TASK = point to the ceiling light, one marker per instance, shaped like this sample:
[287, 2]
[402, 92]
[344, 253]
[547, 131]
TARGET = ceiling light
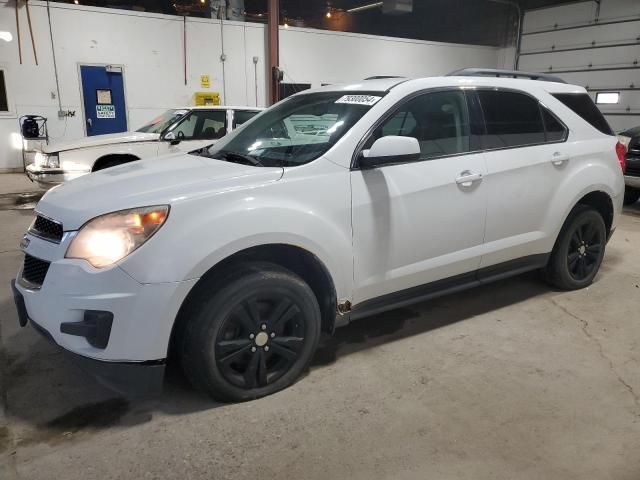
[6, 36]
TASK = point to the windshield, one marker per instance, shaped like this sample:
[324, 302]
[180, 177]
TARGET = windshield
[295, 131]
[162, 122]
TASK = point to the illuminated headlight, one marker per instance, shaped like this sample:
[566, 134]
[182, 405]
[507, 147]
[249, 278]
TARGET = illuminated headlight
[111, 237]
[47, 160]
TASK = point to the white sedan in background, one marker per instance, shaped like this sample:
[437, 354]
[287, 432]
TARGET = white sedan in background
[176, 130]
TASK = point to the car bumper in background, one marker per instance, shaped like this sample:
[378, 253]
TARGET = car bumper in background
[48, 177]
[630, 181]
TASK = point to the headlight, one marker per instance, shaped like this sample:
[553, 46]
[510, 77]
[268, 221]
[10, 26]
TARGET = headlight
[111, 237]
[47, 160]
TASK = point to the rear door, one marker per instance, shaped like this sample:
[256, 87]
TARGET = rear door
[527, 157]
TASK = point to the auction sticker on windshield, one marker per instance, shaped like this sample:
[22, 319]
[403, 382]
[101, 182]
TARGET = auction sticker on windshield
[358, 99]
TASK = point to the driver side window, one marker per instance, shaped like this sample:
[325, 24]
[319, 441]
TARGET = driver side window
[438, 120]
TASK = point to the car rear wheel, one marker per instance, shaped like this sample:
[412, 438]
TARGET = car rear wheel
[631, 195]
[252, 337]
[579, 250]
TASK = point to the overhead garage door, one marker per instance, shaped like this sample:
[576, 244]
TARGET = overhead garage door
[593, 44]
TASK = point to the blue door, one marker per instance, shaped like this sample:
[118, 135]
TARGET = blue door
[103, 93]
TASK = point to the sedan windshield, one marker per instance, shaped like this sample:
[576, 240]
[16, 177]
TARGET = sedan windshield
[164, 121]
[295, 131]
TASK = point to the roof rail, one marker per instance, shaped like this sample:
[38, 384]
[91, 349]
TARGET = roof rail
[493, 72]
[380, 77]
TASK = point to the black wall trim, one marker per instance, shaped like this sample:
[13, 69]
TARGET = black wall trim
[612, 89]
[448, 285]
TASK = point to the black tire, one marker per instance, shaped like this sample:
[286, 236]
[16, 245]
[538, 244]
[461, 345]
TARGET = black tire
[253, 336]
[631, 195]
[579, 250]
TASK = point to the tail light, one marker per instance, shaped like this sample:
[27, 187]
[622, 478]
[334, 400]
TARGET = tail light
[621, 151]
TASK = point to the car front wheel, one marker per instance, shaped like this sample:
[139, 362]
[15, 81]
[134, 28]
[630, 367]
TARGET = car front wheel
[253, 336]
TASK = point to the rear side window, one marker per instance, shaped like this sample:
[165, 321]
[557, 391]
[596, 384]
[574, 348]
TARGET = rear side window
[512, 119]
[556, 131]
[242, 116]
[582, 105]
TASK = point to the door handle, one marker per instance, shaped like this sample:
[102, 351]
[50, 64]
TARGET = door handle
[467, 178]
[559, 159]
[89, 122]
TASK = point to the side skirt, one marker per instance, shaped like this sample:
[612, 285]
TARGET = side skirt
[446, 286]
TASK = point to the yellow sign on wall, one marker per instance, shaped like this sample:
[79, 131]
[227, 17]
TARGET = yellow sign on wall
[204, 81]
[207, 98]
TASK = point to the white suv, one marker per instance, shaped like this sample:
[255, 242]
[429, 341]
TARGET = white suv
[332, 205]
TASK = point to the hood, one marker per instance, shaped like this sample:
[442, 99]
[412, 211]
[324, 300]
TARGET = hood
[156, 181]
[100, 140]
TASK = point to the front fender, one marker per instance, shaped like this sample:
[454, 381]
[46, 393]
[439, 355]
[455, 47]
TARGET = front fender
[291, 211]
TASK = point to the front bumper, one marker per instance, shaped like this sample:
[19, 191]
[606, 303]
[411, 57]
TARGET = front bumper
[128, 378]
[630, 181]
[48, 177]
[141, 315]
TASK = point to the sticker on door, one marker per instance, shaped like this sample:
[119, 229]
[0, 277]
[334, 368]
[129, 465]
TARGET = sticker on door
[105, 111]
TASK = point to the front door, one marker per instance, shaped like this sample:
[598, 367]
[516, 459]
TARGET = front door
[415, 223]
[104, 103]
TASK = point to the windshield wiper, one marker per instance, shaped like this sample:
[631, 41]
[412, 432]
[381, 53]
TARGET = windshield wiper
[235, 157]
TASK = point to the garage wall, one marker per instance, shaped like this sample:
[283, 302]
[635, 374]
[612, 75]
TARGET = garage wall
[597, 47]
[150, 49]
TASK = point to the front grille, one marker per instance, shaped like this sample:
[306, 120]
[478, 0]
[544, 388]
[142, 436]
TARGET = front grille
[47, 229]
[34, 270]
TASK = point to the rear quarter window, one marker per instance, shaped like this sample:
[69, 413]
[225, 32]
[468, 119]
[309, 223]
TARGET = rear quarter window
[582, 105]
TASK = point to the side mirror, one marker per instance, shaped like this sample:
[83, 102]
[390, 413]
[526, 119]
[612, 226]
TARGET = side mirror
[388, 150]
[171, 138]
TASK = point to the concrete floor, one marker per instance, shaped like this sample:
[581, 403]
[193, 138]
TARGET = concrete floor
[507, 381]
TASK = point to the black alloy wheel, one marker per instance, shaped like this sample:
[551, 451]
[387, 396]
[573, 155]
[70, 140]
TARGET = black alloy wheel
[585, 250]
[250, 332]
[260, 340]
[579, 249]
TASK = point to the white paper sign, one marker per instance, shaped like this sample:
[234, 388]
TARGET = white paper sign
[359, 99]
